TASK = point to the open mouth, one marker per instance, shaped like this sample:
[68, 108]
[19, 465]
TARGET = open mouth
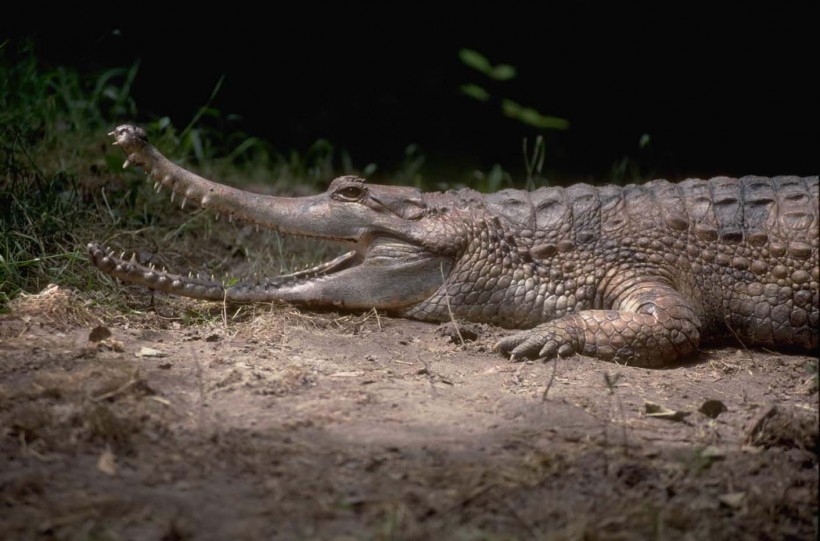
[131, 271]
[383, 270]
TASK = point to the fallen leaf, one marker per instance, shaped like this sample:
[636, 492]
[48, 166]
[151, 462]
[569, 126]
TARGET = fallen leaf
[713, 452]
[107, 463]
[149, 352]
[351, 374]
[160, 400]
[732, 499]
[662, 412]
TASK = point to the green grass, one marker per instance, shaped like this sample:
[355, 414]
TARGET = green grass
[47, 119]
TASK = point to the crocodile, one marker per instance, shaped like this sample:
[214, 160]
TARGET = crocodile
[635, 274]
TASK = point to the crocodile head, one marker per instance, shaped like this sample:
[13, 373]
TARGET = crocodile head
[393, 263]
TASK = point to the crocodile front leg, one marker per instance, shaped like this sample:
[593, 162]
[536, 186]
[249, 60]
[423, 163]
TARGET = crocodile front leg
[652, 326]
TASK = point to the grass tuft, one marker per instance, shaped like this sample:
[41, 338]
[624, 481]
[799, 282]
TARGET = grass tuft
[62, 184]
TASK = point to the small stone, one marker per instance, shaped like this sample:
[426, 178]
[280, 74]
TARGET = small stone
[759, 267]
[712, 408]
[800, 277]
[99, 334]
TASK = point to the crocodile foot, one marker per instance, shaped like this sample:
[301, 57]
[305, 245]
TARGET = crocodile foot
[543, 342]
[635, 338]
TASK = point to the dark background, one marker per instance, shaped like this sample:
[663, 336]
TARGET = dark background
[729, 92]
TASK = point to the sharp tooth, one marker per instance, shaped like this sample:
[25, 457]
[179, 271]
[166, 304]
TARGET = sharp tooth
[134, 257]
[112, 133]
[122, 255]
[216, 219]
[156, 187]
[115, 143]
[184, 200]
[173, 194]
[152, 266]
[125, 164]
[230, 218]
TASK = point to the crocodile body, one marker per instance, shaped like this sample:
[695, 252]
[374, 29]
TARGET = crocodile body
[639, 274]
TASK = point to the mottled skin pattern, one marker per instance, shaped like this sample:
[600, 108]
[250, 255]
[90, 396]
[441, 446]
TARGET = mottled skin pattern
[640, 274]
[635, 274]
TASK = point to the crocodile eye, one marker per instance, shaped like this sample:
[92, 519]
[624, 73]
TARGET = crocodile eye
[349, 193]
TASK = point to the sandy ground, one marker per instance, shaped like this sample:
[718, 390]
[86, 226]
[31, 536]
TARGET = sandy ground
[282, 424]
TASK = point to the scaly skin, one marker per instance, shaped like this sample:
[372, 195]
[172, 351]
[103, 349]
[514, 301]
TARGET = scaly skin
[634, 274]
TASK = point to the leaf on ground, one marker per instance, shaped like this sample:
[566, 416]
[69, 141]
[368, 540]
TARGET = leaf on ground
[107, 463]
[149, 352]
[732, 499]
[713, 452]
[350, 374]
[662, 412]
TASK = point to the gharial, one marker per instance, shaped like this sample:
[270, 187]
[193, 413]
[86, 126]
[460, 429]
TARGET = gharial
[638, 274]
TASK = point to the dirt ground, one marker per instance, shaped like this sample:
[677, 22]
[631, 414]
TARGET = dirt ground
[284, 424]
